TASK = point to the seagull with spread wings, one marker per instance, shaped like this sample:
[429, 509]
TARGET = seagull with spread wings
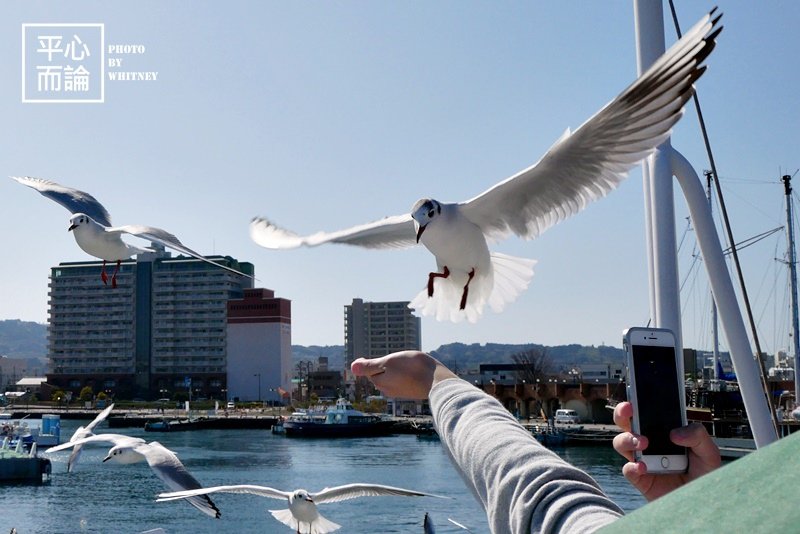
[579, 168]
[302, 514]
[163, 462]
[91, 225]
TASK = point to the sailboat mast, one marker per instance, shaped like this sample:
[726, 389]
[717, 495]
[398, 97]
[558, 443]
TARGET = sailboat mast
[787, 185]
[714, 322]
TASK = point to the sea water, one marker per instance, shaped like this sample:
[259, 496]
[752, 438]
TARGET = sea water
[120, 499]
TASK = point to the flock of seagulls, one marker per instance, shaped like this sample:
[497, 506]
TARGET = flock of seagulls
[301, 515]
[580, 167]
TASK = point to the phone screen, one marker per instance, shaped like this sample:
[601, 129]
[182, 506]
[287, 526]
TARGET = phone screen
[657, 394]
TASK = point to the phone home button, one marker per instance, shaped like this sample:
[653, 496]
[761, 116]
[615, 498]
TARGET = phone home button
[664, 462]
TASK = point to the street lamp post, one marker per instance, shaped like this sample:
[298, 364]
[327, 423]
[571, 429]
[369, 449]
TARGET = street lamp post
[259, 385]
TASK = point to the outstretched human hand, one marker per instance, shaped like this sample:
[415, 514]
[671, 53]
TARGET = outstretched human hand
[704, 455]
[409, 374]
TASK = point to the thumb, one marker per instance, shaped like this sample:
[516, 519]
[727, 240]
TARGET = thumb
[368, 367]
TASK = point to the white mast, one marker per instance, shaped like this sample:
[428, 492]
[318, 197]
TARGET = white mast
[662, 257]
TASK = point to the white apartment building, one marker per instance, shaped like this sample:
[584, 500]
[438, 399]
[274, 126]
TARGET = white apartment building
[162, 330]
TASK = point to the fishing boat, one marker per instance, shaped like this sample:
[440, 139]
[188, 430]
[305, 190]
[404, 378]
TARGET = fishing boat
[45, 432]
[21, 464]
[338, 421]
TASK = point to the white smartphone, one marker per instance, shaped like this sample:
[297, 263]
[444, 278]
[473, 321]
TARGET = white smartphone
[657, 394]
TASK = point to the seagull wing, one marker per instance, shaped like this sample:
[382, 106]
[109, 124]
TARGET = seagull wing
[72, 199]
[353, 491]
[99, 419]
[390, 232]
[166, 465]
[589, 163]
[82, 432]
[263, 491]
[114, 439]
[168, 240]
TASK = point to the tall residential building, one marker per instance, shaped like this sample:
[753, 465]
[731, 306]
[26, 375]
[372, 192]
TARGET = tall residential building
[259, 363]
[374, 329]
[162, 330]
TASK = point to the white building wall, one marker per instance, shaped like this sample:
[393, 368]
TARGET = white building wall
[258, 348]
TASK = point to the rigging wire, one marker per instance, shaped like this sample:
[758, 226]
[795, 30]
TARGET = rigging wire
[721, 201]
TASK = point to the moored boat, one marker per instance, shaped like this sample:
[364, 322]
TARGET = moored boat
[21, 464]
[175, 425]
[339, 420]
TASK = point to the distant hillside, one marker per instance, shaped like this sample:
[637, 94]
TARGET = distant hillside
[23, 350]
[28, 340]
[461, 356]
[23, 339]
[335, 354]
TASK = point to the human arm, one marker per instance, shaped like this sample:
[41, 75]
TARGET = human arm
[522, 486]
[704, 455]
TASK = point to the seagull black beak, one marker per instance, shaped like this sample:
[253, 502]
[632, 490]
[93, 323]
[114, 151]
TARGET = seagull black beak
[309, 499]
[106, 458]
[421, 229]
[73, 226]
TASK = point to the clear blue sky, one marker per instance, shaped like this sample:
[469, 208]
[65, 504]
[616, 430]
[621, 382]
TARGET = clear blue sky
[322, 115]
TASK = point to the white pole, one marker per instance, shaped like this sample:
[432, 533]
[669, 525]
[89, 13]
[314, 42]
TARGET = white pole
[659, 204]
[747, 369]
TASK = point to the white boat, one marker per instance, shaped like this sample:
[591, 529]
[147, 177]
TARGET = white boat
[339, 420]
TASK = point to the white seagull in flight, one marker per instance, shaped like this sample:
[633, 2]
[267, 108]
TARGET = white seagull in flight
[580, 167]
[163, 462]
[91, 225]
[85, 432]
[302, 514]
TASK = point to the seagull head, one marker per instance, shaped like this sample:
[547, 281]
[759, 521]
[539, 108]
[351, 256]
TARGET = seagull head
[423, 212]
[122, 454]
[79, 219]
[301, 495]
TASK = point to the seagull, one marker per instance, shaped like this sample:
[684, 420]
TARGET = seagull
[302, 514]
[429, 528]
[163, 462]
[427, 525]
[582, 166]
[85, 432]
[91, 225]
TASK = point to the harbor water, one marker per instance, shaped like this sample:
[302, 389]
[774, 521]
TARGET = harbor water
[103, 498]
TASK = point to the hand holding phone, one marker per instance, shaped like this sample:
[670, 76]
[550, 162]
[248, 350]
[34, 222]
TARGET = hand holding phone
[656, 392]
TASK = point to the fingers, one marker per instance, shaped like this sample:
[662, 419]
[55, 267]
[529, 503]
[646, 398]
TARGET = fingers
[622, 415]
[695, 437]
[626, 443]
[634, 471]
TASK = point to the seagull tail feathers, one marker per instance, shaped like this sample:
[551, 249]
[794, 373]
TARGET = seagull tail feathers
[320, 525]
[508, 278]
[512, 275]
